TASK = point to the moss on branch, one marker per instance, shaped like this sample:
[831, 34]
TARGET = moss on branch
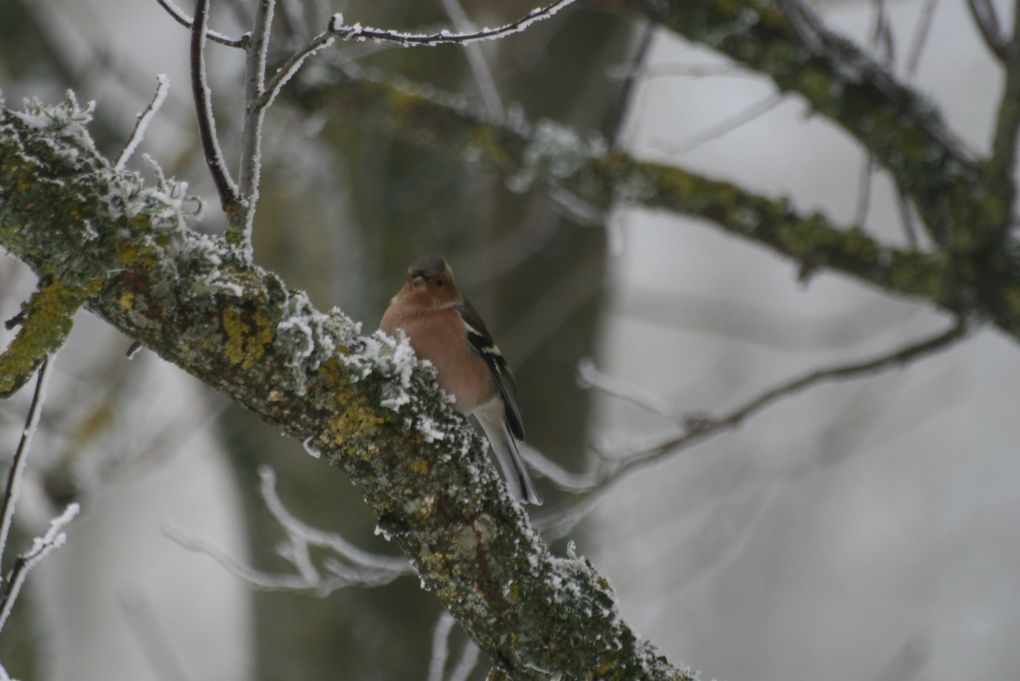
[979, 284]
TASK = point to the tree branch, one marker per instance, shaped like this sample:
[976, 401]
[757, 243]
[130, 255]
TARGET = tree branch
[1001, 170]
[698, 429]
[12, 490]
[365, 402]
[905, 134]
[987, 21]
[225, 186]
[184, 20]
[240, 218]
[551, 154]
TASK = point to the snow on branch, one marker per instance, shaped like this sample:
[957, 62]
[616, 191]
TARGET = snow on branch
[144, 118]
[360, 33]
[41, 547]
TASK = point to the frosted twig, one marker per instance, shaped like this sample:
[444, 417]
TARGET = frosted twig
[41, 547]
[987, 21]
[162, 87]
[588, 376]
[907, 219]
[152, 639]
[694, 430]
[225, 186]
[184, 20]
[440, 646]
[356, 32]
[12, 490]
[1001, 170]
[359, 33]
[728, 125]
[465, 663]
[357, 567]
[921, 34]
[329, 540]
[291, 66]
[239, 223]
[476, 61]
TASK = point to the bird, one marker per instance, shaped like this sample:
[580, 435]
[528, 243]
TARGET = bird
[443, 327]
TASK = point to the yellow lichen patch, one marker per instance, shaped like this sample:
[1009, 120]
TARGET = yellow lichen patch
[127, 301]
[420, 466]
[46, 323]
[357, 420]
[246, 342]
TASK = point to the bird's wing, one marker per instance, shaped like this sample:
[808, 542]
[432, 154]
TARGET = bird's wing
[481, 340]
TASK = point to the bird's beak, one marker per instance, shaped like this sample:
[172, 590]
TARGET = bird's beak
[418, 282]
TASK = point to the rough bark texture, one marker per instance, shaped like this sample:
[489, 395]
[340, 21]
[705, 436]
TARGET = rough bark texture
[364, 402]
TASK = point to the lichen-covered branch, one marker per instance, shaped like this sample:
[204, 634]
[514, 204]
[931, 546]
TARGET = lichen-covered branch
[903, 132]
[363, 401]
[45, 321]
[549, 153]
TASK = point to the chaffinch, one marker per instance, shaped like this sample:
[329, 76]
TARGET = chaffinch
[443, 328]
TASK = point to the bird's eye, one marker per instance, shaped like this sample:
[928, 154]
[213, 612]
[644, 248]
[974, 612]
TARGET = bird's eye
[440, 283]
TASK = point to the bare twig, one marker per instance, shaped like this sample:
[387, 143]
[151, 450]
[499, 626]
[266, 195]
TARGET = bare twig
[686, 70]
[359, 32]
[920, 38]
[1002, 164]
[336, 29]
[12, 489]
[476, 61]
[152, 639]
[162, 87]
[907, 219]
[358, 567]
[699, 429]
[987, 21]
[728, 125]
[466, 663]
[440, 646]
[251, 132]
[225, 186]
[41, 547]
[184, 20]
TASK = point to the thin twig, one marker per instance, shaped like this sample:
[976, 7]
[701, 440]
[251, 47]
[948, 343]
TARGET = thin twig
[12, 489]
[987, 21]
[41, 547]
[921, 34]
[162, 87]
[476, 61]
[466, 663]
[184, 20]
[440, 646]
[1002, 164]
[225, 186]
[152, 639]
[907, 219]
[728, 125]
[291, 66]
[358, 32]
[700, 429]
[240, 221]
[358, 568]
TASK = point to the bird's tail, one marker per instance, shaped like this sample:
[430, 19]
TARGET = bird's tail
[508, 455]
